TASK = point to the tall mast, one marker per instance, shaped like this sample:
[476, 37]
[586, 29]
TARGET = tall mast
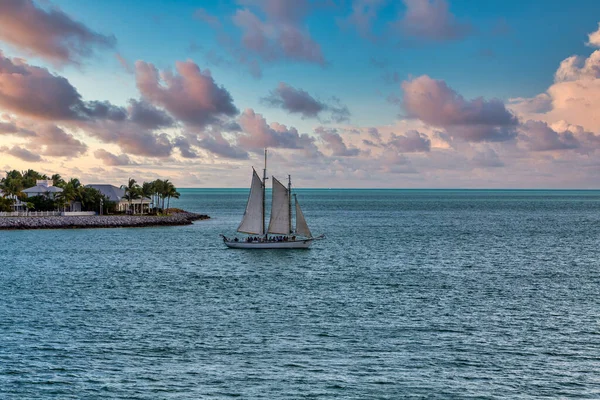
[290, 205]
[264, 187]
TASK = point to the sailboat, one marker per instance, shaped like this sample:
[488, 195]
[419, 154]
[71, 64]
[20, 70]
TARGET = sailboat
[279, 234]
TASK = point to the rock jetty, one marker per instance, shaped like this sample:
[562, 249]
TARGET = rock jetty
[99, 221]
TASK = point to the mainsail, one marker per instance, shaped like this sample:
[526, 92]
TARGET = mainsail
[280, 209]
[301, 225]
[253, 217]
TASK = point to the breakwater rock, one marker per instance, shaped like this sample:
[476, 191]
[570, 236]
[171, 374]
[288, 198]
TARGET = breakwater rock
[99, 221]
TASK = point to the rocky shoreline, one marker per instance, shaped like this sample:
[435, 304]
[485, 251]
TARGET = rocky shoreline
[99, 221]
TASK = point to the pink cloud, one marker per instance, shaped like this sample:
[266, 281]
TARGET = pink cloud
[51, 33]
[574, 96]
[594, 38]
[334, 142]
[130, 137]
[435, 103]
[215, 143]
[411, 142]
[431, 20]
[540, 137]
[58, 143]
[191, 95]
[34, 91]
[111, 159]
[257, 135]
[21, 153]
[281, 34]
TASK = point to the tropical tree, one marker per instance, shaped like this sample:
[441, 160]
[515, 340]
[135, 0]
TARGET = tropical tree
[6, 204]
[146, 190]
[132, 191]
[30, 177]
[171, 192]
[58, 181]
[69, 194]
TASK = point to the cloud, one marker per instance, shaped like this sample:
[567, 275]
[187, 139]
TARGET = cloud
[411, 142]
[257, 135]
[184, 147]
[131, 137]
[58, 143]
[21, 153]
[147, 116]
[112, 159]
[45, 138]
[334, 142]
[540, 137]
[281, 34]
[126, 66]
[192, 95]
[50, 34]
[487, 158]
[217, 144]
[11, 128]
[35, 92]
[577, 68]
[364, 13]
[298, 101]
[594, 38]
[477, 120]
[573, 97]
[431, 20]
[539, 104]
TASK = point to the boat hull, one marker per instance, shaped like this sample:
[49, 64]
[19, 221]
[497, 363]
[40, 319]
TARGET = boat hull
[296, 244]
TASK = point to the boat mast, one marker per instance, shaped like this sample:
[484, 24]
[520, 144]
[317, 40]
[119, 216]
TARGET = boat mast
[290, 205]
[264, 186]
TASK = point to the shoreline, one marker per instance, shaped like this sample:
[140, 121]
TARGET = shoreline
[99, 221]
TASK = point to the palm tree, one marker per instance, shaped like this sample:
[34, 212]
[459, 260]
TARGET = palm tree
[58, 181]
[171, 192]
[146, 190]
[69, 193]
[132, 191]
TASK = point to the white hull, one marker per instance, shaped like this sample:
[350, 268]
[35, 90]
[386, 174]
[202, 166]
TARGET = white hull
[296, 244]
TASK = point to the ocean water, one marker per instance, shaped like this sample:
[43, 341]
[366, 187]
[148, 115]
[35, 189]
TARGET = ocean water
[414, 294]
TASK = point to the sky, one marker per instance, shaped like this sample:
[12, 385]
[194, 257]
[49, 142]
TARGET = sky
[343, 93]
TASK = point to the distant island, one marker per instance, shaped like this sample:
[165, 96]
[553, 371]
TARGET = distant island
[30, 200]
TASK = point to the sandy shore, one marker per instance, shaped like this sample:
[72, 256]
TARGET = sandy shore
[97, 221]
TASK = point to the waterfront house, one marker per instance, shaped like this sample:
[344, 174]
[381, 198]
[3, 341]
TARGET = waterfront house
[44, 188]
[17, 205]
[117, 195]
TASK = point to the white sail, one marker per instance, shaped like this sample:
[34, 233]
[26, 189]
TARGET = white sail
[280, 209]
[253, 217]
[301, 225]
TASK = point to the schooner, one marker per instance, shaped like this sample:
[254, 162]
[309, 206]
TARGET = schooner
[279, 234]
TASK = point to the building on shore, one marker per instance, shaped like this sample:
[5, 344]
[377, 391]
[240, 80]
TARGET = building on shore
[117, 195]
[43, 188]
[17, 205]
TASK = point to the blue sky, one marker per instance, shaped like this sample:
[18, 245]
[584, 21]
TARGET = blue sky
[508, 50]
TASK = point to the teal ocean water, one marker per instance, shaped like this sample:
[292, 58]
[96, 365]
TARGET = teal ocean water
[414, 294]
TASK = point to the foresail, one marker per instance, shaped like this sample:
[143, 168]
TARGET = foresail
[280, 209]
[301, 225]
[253, 216]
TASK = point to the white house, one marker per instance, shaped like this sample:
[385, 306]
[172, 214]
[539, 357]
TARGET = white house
[117, 195]
[17, 204]
[43, 188]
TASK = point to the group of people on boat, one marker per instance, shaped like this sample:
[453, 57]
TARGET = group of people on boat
[261, 239]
